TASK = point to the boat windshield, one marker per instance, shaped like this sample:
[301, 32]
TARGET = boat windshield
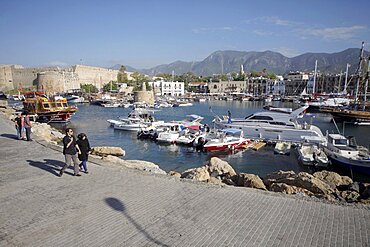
[342, 142]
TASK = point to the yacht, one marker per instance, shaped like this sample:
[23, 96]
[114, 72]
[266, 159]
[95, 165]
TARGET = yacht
[274, 126]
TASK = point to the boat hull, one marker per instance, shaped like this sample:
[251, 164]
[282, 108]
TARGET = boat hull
[225, 146]
[360, 166]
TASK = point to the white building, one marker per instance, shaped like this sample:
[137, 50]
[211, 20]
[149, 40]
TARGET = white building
[276, 87]
[172, 88]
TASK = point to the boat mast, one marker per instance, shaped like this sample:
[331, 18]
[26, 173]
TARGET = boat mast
[366, 82]
[314, 79]
[346, 80]
[340, 79]
[359, 70]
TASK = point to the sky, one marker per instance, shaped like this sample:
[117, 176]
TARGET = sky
[144, 34]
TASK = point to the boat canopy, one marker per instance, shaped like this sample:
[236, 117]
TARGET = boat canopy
[194, 116]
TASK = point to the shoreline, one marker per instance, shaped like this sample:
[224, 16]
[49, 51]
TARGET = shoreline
[222, 174]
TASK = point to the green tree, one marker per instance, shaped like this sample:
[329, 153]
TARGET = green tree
[88, 88]
[166, 77]
[122, 75]
[112, 85]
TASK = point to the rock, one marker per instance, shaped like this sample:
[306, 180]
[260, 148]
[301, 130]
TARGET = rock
[364, 201]
[199, 174]
[219, 168]
[365, 194]
[251, 180]
[213, 180]
[135, 164]
[349, 196]
[333, 178]
[276, 176]
[105, 151]
[302, 180]
[174, 174]
[288, 189]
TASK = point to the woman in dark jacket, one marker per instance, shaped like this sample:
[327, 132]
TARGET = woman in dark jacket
[84, 146]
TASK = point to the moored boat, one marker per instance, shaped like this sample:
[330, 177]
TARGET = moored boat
[341, 152]
[282, 148]
[231, 140]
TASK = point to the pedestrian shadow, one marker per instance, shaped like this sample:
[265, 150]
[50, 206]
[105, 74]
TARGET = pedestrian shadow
[10, 136]
[52, 166]
[120, 207]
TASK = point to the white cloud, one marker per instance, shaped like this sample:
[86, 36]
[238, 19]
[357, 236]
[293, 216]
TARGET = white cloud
[262, 33]
[333, 33]
[58, 63]
[211, 29]
[272, 20]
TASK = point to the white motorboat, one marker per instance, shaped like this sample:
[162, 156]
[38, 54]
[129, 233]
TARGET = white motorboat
[342, 152]
[169, 136]
[231, 140]
[72, 98]
[278, 109]
[274, 126]
[113, 122]
[310, 154]
[282, 147]
[130, 125]
[110, 105]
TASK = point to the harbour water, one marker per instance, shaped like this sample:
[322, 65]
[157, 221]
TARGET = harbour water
[91, 120]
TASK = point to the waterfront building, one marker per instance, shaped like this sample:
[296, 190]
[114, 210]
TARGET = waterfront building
[257, 85]
[173, 88]
[276, 87]
[227, 87]
[198, 87]
[295, 82]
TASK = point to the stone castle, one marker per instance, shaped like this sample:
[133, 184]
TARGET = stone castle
[54, 79]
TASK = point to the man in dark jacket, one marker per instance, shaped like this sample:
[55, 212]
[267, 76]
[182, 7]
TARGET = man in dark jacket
[70, 149]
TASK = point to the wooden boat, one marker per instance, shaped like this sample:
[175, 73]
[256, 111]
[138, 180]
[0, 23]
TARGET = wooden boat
[48, 110]
[282, 147]
[347, 114]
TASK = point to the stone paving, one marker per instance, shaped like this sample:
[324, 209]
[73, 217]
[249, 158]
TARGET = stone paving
[122, 207]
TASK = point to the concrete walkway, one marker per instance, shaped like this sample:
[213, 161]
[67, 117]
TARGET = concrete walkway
[122, 207]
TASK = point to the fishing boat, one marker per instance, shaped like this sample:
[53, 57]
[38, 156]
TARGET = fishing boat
[312, 155]
[344, 152]
[170, 135]
[49, 110]
[274, 126]
[231, 140]
[282, 148]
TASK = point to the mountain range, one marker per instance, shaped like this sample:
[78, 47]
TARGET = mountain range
[222, 62]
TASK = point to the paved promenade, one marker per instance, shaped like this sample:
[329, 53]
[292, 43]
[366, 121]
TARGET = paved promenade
[122, 207]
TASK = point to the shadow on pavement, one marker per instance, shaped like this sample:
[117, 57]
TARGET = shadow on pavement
[10, 136]
[118, 206]
[52, 166]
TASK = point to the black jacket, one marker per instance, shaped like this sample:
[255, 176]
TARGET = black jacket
[84, 146]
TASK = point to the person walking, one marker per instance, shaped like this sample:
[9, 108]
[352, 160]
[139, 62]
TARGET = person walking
[70, 149]
[84, 145]
[18, 126]
[27, 126]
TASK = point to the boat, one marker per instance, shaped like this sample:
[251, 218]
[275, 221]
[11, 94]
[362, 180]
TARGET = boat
[136, 120]
[278, 109]
[312, 155]
[274, 126]
[231, 140]
[282, 148]
[170, 135]
[49, 110]
[110, 105]
[113, 122]
[130, 125]
[344, 152]
[72, 98]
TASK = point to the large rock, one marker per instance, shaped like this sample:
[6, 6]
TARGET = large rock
[199, 174]
[174, 174]
[46, 132]
[349, 196]
[288, 189]
[302, 180]
[219, 168]
[105, 151]
[251, 180]
[134, 164]
[333, 178]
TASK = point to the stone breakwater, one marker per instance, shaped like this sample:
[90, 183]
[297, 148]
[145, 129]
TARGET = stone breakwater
[324, 184]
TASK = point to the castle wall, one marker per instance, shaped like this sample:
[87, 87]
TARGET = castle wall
[95, 75]
[144, 96]
[6, 78]
[57, 81]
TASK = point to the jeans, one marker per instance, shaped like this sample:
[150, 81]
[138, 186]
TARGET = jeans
[19, 132]
[28, 133]
[83, 164]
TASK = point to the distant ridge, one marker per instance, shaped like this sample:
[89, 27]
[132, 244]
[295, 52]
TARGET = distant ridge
[229, 61]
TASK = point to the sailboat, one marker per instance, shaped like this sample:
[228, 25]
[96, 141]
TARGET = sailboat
[358, 113]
